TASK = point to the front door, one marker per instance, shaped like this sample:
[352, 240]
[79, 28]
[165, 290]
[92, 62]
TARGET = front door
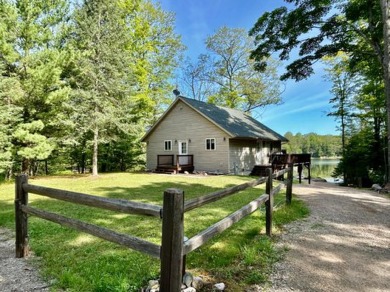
[183, 147]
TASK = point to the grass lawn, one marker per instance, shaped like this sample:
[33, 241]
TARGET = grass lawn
[240, 256]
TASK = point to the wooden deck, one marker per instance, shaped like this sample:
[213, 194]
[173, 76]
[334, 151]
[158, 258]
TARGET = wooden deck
[281, 161]
[168, 163]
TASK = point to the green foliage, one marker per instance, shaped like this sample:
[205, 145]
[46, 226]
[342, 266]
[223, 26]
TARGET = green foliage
[34, 145]
[323, 28]
[239, 256]
[295, 211]
[96, 74]
[354, 27]
[345, 84]
[317, 145]
[100, 39]
[155, 51]
[30, 64]
[10, 117]
[360, 163]
[226, 75]
[359, 105]
[124, 154]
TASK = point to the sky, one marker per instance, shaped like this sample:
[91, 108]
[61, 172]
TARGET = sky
[305, 103]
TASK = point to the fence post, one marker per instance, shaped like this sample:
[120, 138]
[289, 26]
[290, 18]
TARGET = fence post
[289, 183]
[183, 271]
[21, 227]
[269, 204]
[172, 241]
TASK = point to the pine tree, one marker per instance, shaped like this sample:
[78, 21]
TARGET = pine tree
[102, 86]
[31, 62]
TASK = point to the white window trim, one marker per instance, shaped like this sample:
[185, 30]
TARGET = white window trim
[165, 143]
[215, 144]
[180, 148]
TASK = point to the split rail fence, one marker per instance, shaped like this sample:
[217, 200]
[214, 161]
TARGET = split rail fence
[173, 249]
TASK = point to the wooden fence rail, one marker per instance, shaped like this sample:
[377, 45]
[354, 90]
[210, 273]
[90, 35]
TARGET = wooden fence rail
[104, 233]
[201, 238]
[119, 205]
[198, 202]
[173, 249]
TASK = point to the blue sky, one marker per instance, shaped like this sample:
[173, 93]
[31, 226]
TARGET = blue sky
[305, 103]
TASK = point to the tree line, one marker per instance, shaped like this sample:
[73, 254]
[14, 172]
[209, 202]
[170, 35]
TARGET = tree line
[319, 146]
[81, 81]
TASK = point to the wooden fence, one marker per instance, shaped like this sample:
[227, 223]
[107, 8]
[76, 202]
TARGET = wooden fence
[173, 249]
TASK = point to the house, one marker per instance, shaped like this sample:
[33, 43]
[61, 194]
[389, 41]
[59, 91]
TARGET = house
[195, 135]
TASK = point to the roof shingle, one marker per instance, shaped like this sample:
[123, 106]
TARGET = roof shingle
[235, 122]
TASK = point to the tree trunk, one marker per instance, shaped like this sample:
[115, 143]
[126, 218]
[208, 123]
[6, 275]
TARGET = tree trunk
[25, 166]
[343, 127]
[95, 152]
[377, 152]
[386, 73]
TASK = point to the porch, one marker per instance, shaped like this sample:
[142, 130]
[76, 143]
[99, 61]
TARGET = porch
[175, 163]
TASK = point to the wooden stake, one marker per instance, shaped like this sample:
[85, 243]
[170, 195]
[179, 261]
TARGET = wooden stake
[290, 177]
[21, 222]
[269, 204]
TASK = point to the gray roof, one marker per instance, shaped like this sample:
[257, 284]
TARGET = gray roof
[235, 122]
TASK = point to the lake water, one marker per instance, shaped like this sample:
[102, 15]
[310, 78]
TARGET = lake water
[322, 168]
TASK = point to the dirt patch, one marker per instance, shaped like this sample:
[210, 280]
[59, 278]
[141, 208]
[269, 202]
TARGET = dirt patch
[344, 245]
[17, 274]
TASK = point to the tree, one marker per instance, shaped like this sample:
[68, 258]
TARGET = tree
[384, 59]
[10, 117]
[195, 77]
[371, 112]
[354, 164]
[227, 73]
[155, 51]
[31, 63]
[323, 28]
[126, 54]
[101, 83]
[317, 145]
[344, 87]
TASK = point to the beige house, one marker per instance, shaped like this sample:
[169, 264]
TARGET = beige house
[193, 135]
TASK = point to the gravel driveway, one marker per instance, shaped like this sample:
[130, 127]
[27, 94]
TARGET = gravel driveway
[344, 245]
[17, 274]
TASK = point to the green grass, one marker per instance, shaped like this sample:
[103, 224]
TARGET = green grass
[240, 256]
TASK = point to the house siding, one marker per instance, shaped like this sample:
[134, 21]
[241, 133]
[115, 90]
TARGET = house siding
[183, 123]
[244, 155]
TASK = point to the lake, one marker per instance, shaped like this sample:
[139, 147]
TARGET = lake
[322, 168]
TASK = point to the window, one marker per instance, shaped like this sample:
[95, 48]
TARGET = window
[210, 144]
[168, 145]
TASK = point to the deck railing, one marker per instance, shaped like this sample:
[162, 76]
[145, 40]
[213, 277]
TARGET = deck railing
[168, 162]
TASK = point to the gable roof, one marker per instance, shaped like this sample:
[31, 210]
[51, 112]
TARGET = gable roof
[234, 122]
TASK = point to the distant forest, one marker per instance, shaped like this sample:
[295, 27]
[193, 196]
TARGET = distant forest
[317, 145]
